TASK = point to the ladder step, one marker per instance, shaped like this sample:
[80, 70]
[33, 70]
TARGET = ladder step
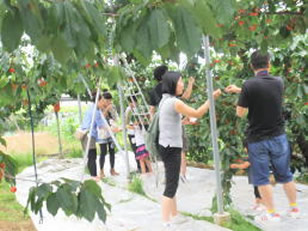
[134, 94]
[141, 114]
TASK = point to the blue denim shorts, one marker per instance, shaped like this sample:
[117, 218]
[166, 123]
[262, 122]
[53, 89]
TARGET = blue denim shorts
[275, 152]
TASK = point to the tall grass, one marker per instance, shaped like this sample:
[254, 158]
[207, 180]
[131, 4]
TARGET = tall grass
[25, 160]
[237, 222]
[75, 153]
[136, 186]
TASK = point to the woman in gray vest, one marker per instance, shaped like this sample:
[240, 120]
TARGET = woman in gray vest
[170, 139]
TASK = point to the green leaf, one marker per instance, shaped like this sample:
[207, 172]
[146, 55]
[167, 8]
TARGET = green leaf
[93, 187]
[60, 50]
[10, 169]
[31, 19]
[74, 184]
[127, 37]
[206, 19]
[2, 141]
[31, 199]
[11, 30]
[88, 203]
[44, 42]
[66, 199]
[101, 212]
[188, 34]
[224, 9]
[158, 28]
[70, 26]
[55, 17]
[52, 204]
[43, 191]
[97, 19]
[144, 45]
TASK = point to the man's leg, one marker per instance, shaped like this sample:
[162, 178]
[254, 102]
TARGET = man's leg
[259, 157]
[290, 191]
[280, 154]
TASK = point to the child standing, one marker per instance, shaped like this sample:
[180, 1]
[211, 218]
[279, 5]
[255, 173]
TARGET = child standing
[141, 153]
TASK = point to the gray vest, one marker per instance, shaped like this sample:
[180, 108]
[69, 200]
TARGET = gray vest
[170, 125]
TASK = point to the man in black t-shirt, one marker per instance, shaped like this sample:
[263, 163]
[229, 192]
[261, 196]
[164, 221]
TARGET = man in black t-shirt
[261, 96]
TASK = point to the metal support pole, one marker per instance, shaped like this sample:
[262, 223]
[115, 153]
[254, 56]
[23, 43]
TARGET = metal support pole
[124, 128]
[79, 109]
[33, 149]
[213, 124]
[59, 135]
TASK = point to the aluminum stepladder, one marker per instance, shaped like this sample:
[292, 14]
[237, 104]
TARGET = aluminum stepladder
[141, 111]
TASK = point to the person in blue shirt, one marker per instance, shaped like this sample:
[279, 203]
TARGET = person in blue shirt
[85, 126]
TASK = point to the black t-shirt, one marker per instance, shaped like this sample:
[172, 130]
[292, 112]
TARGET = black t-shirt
[156, 95]
[263, 95]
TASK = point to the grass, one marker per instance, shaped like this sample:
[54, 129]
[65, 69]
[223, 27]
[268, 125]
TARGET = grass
[136, 186]
[10, 209]
[74, 153]
[237, 223]
[25, 160]
[109, 181]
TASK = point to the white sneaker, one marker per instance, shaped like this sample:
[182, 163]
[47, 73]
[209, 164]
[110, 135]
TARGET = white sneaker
[258, 208]
[294, 213]
[266, 217]
[178, 219]
[167, 226]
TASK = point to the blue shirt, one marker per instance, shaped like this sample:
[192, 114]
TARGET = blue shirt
[98, 121]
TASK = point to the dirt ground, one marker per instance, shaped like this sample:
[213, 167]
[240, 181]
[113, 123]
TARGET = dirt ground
[20, 226]
[21, 143]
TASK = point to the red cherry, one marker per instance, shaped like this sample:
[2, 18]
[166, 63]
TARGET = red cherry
[13, 189]
[306, 104]
[289, 28]
[12, 70]
[96, 64]
[253, 14]
[241, 23]
[253, 27]
[241, 11]
[41, 82]
[56, 107]
[268, 20]
[232, 45]
[88, 65]
[216, 61]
